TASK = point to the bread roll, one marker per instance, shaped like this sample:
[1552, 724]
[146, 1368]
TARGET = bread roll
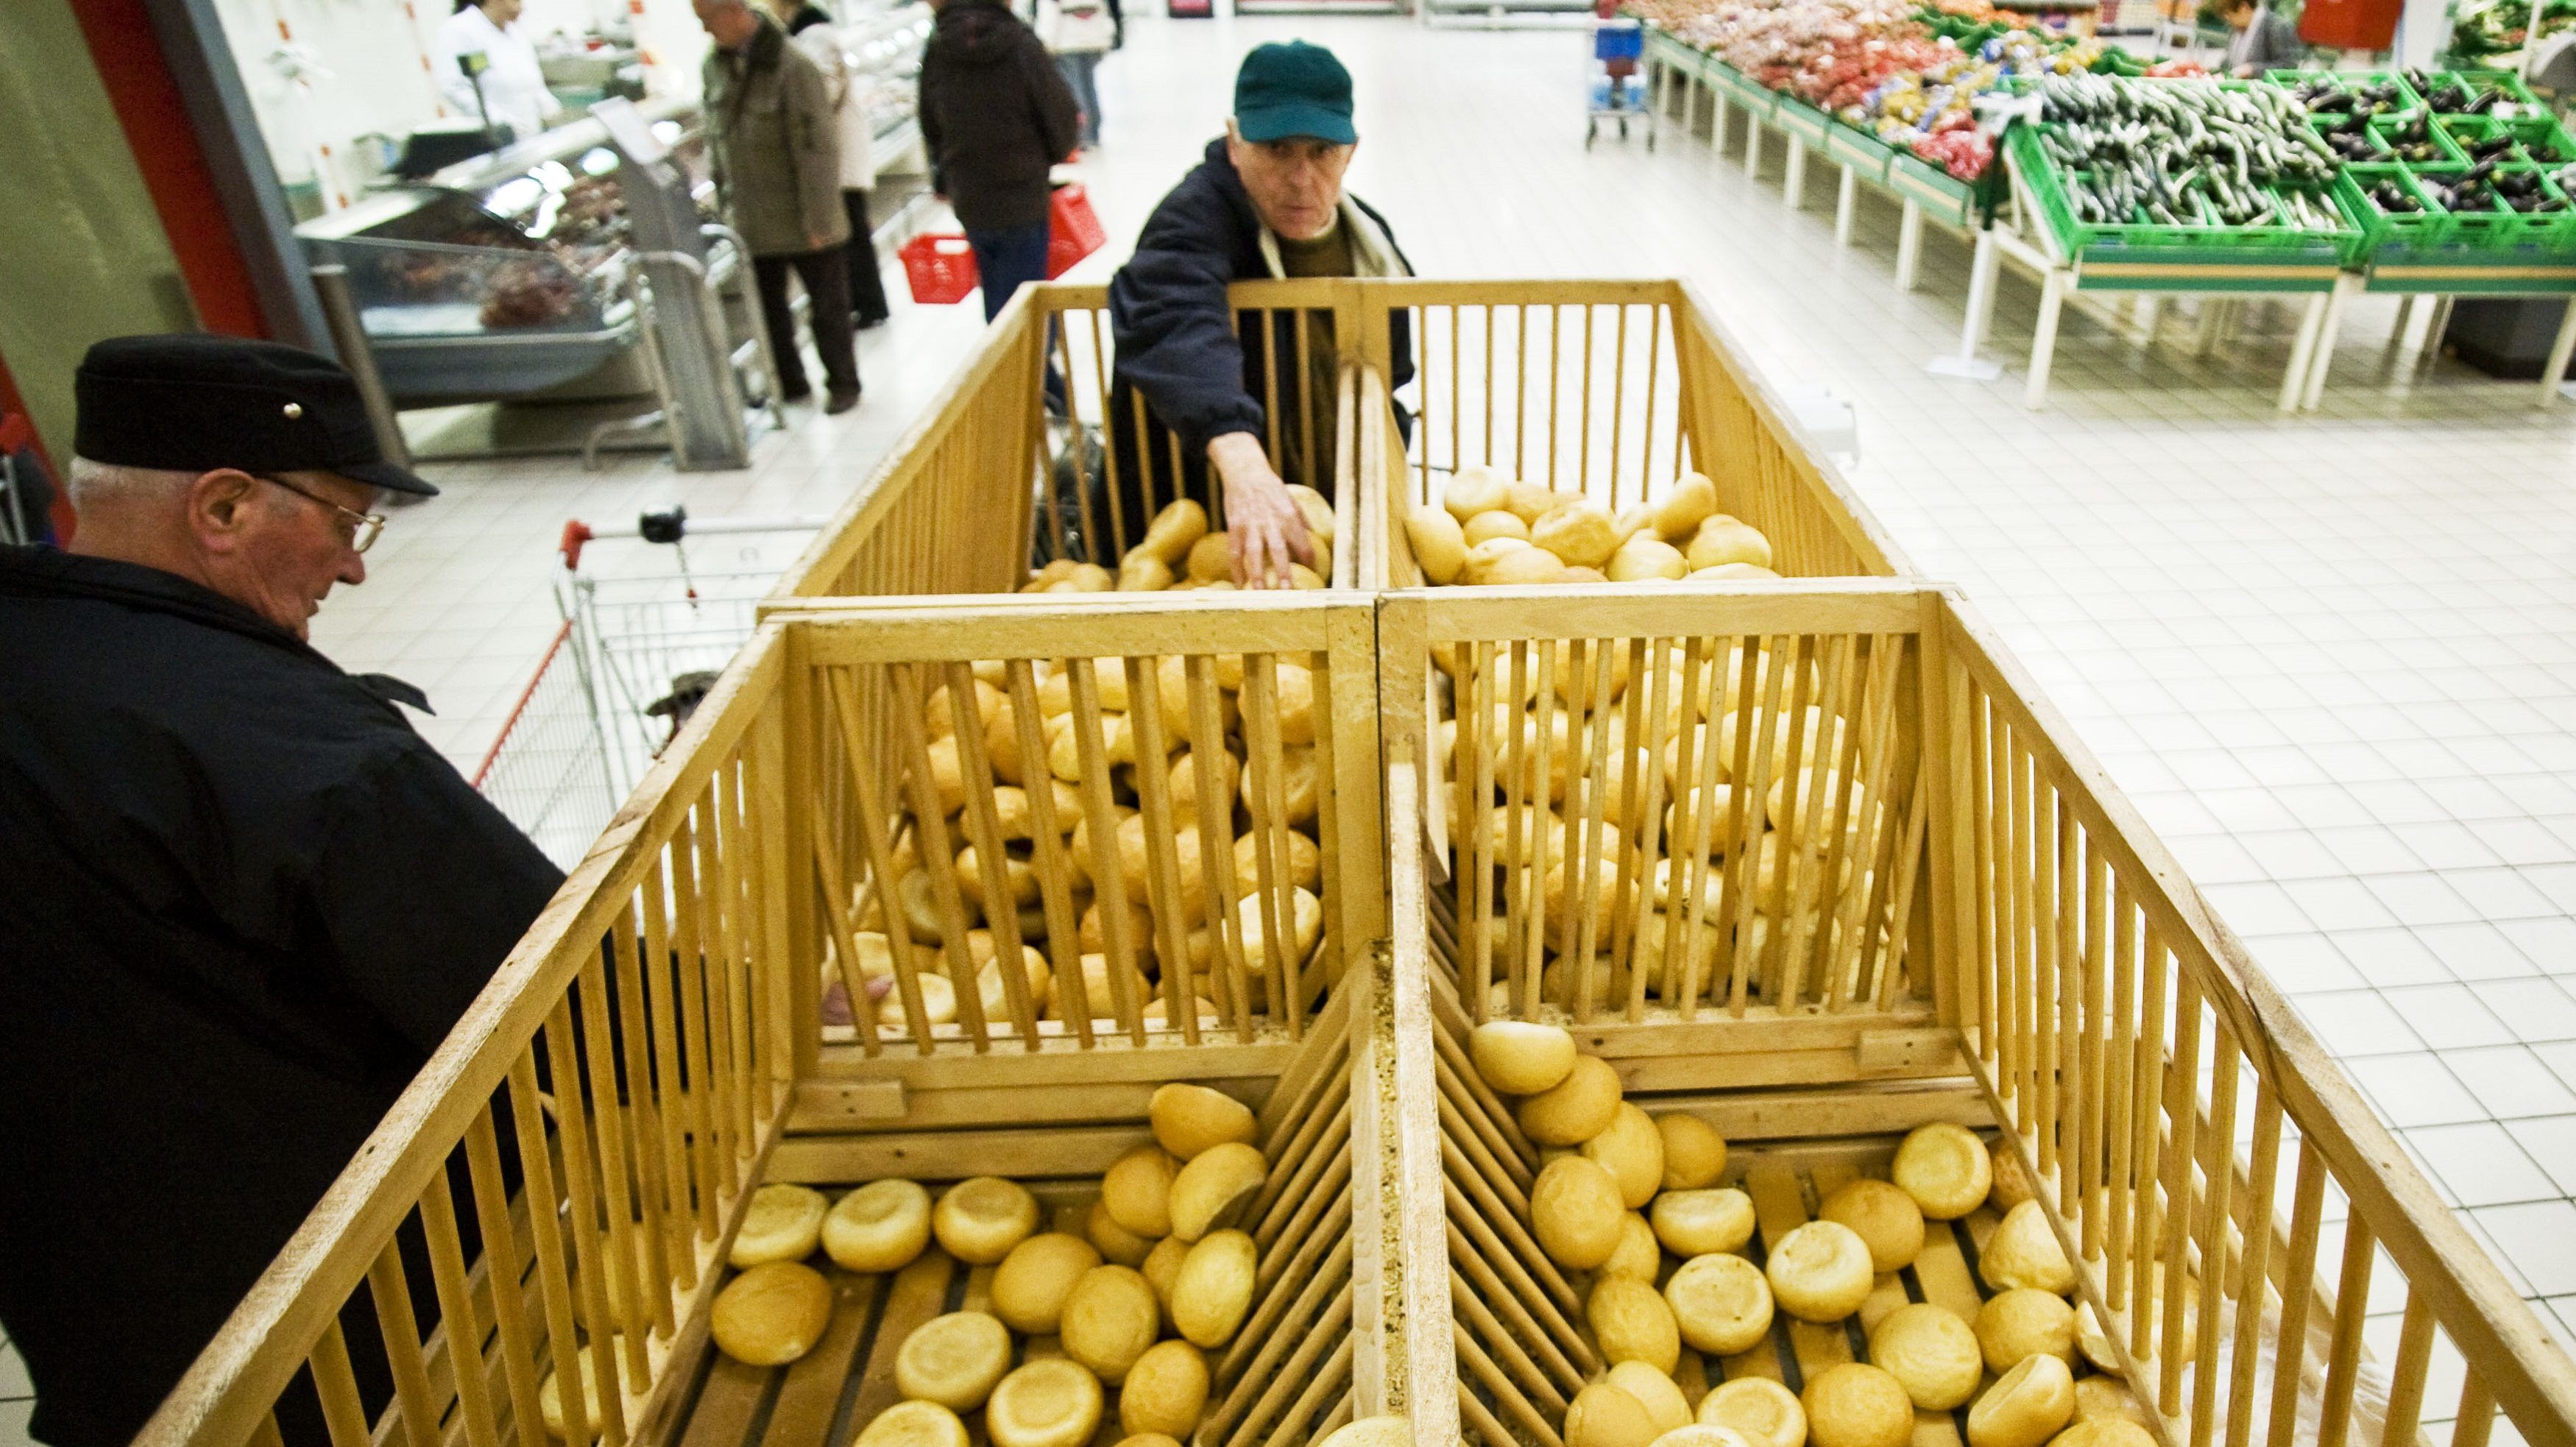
[1932, 1352]
[1640, 560]
[1109, 1319]
[1166, 1391]
[982, 1218]
[1945, 1169]
[1857, 1405]
[1137, 1190]
[1030, 1285]
[1439, 543]
[913, 1424]
[1520, 565]
[1654, 1391]
[1762, 1411]
[1369, 1432]
[1721, 540]
[1575, 1109]
[1188, 1119]
[1638, 1256]
[1484, 527]
[2024, 1251]
[1696, 1223]
[1684, 506]
[1148, 1439]
[772, 1314]
[881, 1226]
[1304, 916]
[1162, 1269]
[2103, 1432]
[1885, 1218]
[1700, 1435]
[1519, 1057]
[1632, 1322]
[1529, 501]
[1820, 1272]
[1694, 1153]
[2102, 1398]
[1601, 1415]
[2029, 1405]
[1293, 855]
[782, 1224]
[1575, 1211]
[953, 1360]
[2094, 1343]
[1051, 1402]
[1721, 1303]
[1581, 533]
[550, 1402]
[2012, 1182]
[1215, 1188]
[1632, 1151]
[1214, 1288]
[1116, 1243]
[1473, 489]
[2022, 1323]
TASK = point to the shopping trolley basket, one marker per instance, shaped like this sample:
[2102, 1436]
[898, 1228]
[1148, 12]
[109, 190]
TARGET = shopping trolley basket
[642, 639]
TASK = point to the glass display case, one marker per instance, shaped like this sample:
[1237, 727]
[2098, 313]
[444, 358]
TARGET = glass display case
[503, 277]
[883, 45]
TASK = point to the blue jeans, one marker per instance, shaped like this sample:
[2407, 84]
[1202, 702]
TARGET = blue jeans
[1006, 258]
[1077, 66]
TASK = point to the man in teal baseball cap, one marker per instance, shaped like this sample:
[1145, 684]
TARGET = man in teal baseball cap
[1266, 202]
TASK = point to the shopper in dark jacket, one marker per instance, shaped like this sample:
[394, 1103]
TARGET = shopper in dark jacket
[1265, 202]
[995, 116]
[246, 899]
[775, 146]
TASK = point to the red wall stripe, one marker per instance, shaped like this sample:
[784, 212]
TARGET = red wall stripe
[129, 60]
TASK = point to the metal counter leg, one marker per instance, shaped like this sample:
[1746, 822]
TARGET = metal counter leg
[2559, 351]
[1793, 176]
[1752, 145]
[2043, 339]
[2294, 382]
[1846, 201]
[2321, 359]
[1909, 245]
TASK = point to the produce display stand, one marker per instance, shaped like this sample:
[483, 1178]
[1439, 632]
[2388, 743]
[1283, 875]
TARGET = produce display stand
[2052, 978]
[1612, 388]
[2040, 234]
[1922, 191]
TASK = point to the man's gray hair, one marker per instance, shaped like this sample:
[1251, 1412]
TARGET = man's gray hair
[93, 483]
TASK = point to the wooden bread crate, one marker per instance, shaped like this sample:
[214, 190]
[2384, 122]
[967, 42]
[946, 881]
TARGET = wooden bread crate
[1613, 389]
[2183, 1131]
[645, 1103]
[970, 472]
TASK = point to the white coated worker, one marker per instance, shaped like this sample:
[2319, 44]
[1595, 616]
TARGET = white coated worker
[514, 87]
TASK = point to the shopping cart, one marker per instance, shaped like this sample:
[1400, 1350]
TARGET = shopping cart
[1618, 79]
[639, 645]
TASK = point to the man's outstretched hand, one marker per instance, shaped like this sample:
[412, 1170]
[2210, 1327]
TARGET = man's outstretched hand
[1268, 531]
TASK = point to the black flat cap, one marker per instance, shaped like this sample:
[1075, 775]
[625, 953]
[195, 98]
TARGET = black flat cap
[188, 402]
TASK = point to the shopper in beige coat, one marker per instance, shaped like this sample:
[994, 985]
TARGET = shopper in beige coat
[775, 146]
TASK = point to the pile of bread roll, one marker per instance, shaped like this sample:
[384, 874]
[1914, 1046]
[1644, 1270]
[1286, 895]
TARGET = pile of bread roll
[1491, 529]
[1296, 863]
[1632, 1205]
[1132, 1292]
[1794, 823]
[1179, 554]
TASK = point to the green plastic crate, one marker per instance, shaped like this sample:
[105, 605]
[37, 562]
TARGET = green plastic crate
[2505, 230]
[2544, 140]
[2407, 99]
[2383, 128]
[2089, 241]
[2477, 81]
[2468, 132]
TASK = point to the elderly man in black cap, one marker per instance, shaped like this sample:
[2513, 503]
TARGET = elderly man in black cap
[247, 900]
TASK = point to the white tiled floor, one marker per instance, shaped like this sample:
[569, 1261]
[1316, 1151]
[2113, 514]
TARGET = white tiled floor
[2332, 657]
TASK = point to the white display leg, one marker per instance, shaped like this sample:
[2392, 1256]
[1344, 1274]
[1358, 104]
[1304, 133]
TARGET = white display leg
[1981, 311]
[2405, 317]
[1793, 176]
[1846, 201]
[1752, 145]
[1719, 118]
[2294, 382]
[2559, 351]
[2043, 338]
[1909, 244]
[2321, 359]
[2433, 329]
[2213, 320]
[2151, 305]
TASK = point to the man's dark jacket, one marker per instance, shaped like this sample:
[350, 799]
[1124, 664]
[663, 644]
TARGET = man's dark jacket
[1181, 346]
[246, 901]
[995, 115]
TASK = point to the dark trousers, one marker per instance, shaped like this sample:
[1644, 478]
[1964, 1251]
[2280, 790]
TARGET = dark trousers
[826, 275]
[867, 280]
[1005, 258]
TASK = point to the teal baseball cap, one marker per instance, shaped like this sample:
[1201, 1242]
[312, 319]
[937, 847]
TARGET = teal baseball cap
[1293, 89]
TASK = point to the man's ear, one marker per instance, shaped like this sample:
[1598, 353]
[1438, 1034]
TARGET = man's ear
[218, 504]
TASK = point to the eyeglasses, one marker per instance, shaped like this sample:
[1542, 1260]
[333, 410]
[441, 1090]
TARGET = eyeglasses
[363, 526]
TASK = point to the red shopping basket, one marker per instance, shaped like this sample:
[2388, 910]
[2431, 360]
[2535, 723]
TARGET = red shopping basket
[1073, 228]
[941, 269]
